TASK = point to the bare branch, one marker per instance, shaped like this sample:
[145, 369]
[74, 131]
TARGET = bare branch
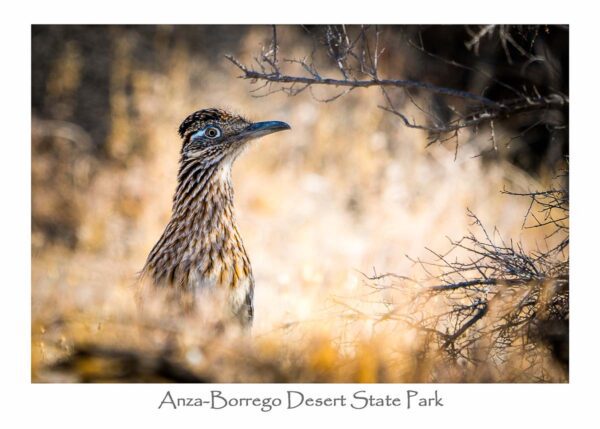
[355, 55]
[499, 296]
[397, 83]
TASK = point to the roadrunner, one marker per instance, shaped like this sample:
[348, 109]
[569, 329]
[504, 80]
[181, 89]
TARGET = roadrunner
[200, 255]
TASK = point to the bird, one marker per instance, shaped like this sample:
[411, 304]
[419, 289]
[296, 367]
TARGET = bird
[200, 255]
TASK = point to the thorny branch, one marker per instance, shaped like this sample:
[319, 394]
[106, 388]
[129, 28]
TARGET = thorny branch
[275, 75]
[356, 56]
[498, 296]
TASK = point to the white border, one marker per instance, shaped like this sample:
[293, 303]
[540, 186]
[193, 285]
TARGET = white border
[135, 405]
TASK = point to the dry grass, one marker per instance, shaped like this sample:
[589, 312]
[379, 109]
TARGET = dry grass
[348, 191]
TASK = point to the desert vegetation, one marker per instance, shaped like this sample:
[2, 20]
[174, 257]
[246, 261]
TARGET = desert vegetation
[413, 226]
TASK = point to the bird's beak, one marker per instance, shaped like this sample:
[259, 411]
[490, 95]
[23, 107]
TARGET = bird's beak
[260, 129]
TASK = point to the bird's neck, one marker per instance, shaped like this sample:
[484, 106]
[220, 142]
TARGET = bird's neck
[202, 188]
[202, 223]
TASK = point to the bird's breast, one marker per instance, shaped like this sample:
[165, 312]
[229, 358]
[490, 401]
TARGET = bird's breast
[222, 284]
[219, 263]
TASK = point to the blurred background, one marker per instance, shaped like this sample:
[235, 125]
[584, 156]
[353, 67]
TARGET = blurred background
[349, 191]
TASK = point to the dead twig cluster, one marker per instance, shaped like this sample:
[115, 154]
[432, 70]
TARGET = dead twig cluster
[498, 298]
[355, 54]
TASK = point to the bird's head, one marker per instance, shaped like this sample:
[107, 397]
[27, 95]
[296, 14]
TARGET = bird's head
[215, 135]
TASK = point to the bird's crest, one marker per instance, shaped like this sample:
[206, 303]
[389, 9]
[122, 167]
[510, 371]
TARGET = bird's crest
[198, 119]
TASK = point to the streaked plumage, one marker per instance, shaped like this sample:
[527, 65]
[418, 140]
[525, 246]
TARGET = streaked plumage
[200, 253]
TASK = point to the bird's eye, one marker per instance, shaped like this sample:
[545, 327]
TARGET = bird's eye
[212, 132]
